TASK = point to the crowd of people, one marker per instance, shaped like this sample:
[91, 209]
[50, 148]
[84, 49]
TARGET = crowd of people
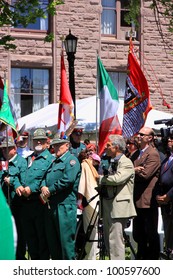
[47, 184]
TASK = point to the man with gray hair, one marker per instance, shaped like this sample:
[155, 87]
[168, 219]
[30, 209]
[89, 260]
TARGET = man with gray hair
[117, 195]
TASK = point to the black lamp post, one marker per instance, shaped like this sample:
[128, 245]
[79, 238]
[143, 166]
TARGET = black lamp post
[70, 47]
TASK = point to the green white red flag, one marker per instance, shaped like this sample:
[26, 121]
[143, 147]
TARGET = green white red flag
[109, 103]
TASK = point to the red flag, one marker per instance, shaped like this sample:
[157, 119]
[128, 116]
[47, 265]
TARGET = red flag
[7, 114]
[137, 98]
[1, 91]
[66, 116]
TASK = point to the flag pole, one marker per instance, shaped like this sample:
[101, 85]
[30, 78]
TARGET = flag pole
[97, 97]
[7, 159]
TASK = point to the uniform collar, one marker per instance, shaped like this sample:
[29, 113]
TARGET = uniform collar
[12, 159]
[43, 154]
[63, 157]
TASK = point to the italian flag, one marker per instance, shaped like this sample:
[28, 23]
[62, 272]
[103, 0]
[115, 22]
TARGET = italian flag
[109, 123]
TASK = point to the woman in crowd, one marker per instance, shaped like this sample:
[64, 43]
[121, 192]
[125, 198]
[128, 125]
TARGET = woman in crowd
[86, 191]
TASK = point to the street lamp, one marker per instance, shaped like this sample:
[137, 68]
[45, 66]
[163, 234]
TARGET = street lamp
[70, 47]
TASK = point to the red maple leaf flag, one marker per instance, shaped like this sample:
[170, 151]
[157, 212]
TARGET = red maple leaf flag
[66, 106]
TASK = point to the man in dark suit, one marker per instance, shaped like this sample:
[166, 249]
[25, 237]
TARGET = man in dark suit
[147, 168]
[166, 197]
[132, 146]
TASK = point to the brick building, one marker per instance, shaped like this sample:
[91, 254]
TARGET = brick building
[33, 69]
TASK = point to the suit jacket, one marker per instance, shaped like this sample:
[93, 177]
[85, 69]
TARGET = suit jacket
[166, 177]
[145, 184]
[134, 155]
[122, 205]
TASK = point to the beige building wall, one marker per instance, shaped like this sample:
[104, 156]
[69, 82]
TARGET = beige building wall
[83, 18]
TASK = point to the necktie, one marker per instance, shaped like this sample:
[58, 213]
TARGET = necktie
[140, 155]
[170, 159]
[168, 162]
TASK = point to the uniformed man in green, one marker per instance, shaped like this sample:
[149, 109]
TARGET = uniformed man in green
[33, 209]
[76, 146]
[61, 188]
[12, 181]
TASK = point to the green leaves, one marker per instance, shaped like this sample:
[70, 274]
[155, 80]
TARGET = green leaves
[161, 8]
[6, 42]
[49, 38]
[24, 12]
[134, 13]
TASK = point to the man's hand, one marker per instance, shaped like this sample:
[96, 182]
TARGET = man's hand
[7, 180]
[20, 190]
[162, 199]
[45, 191]
[27, 191]
[139, 170]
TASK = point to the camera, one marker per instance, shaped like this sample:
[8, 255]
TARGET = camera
[166, 132]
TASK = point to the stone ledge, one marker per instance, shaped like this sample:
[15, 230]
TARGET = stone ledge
[31, 60]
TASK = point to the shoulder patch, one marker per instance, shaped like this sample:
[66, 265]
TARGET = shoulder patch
[72, 162]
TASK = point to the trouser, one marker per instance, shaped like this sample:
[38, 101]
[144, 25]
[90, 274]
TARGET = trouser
[167, 217]
[34, 229]
[145, 233]
[113, 233]
[61, 223]
[91, 247]
[21, 242]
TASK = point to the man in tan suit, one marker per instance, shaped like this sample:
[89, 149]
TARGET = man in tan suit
[147, 168]
[117, 194]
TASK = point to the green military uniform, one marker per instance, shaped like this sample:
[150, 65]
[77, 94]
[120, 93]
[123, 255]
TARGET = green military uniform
[16, 172]
[62, 179]
[33, 209]
[76, 149]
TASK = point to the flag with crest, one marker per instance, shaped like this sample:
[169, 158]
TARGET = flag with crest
[137, 98]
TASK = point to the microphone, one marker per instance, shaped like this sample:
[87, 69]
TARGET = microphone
[164, 121]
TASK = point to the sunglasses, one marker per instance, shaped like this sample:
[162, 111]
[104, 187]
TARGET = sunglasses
[142, 134]
[130, 143]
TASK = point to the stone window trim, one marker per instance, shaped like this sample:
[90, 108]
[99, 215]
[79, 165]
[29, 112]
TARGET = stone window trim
[120, 30]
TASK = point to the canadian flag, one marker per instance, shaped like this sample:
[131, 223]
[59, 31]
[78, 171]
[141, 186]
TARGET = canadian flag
[66, 106]
[3, 165]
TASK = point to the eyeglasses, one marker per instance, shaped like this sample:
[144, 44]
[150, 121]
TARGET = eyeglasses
[142, 134]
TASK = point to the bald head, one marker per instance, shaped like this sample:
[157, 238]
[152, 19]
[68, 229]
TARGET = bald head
[145, 136]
